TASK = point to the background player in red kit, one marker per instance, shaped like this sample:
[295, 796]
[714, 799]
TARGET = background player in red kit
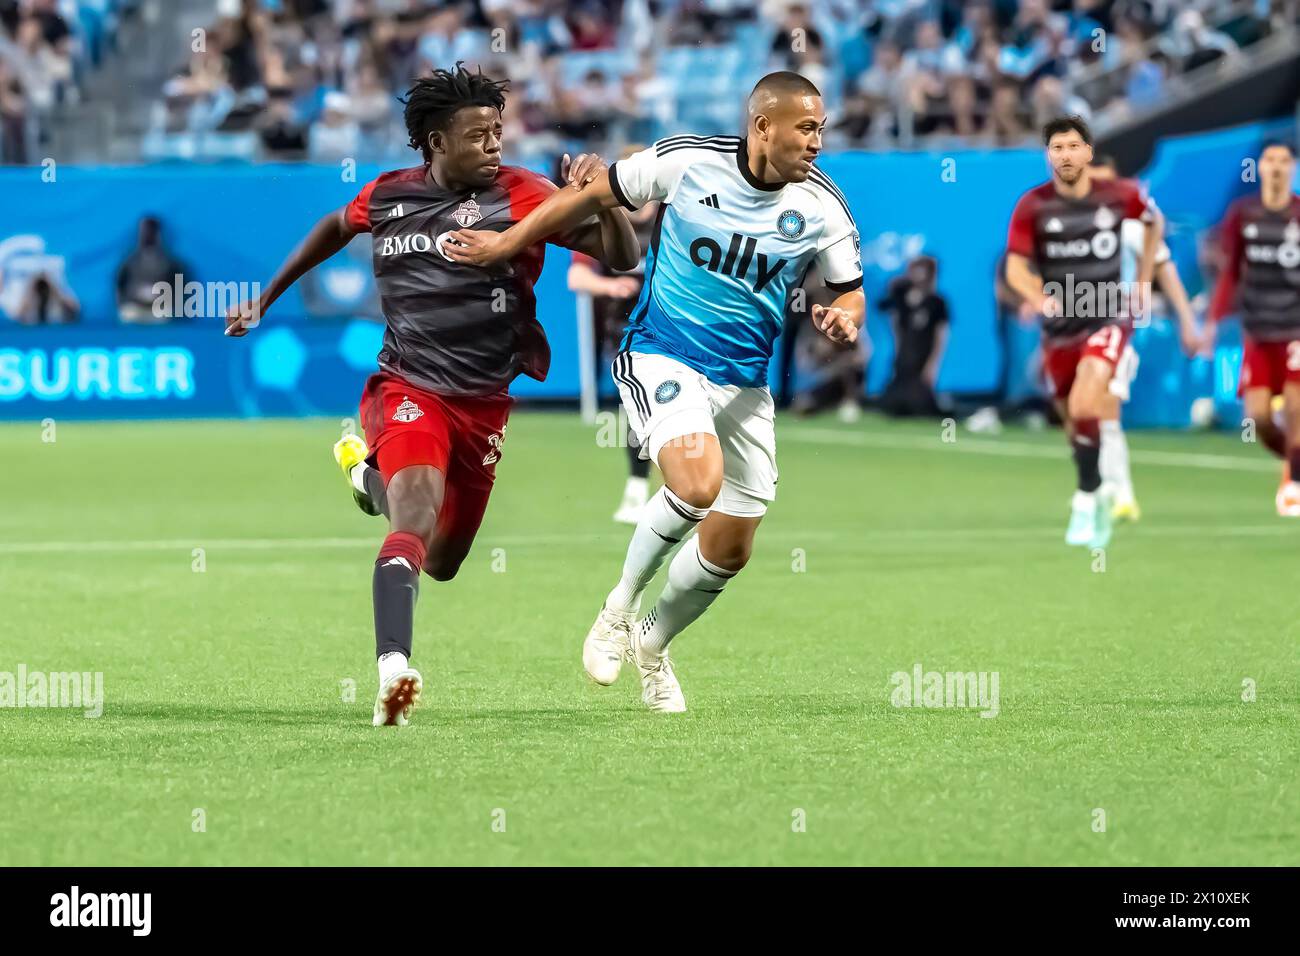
[1261, 278]
[457, 335]
[1063, 257]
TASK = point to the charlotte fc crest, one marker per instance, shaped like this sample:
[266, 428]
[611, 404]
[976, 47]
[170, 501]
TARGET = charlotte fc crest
[468, 214]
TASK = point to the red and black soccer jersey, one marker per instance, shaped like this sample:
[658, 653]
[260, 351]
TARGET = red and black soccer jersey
[1261, 248]
[1075, 244]
[455, 329]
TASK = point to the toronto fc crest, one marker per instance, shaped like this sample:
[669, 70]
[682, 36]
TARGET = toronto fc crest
[408, 411]
[468, 214]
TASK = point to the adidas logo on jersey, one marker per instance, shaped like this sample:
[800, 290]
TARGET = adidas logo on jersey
[711, 201]
[707, 252]
[1053, 225]
[396, 212]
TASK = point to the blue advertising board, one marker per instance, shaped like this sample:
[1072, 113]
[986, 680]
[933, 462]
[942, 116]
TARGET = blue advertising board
[229, 226]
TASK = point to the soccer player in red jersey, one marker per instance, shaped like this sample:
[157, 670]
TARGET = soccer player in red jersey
[1261, 278]
[1063, 257]
[435, 413]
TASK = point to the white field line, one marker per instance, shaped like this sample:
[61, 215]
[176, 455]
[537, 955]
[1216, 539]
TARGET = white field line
[928, 536]
[1013, 449]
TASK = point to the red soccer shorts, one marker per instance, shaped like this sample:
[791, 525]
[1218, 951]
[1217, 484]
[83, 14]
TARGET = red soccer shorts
[459, 435]
[1061, 361]
[1269, 365]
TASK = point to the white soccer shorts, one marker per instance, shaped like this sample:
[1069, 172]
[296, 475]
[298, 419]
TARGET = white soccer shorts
[1126, 370]
[666, 401]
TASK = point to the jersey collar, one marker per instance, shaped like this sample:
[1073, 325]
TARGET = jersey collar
[742, 160]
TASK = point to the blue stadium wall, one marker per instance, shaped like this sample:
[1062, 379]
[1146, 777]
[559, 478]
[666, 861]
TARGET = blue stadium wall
[235, 223]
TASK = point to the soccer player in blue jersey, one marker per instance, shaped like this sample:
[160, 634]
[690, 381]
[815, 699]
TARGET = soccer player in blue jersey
[741, 219]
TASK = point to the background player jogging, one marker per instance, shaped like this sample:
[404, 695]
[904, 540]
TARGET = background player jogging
[1063, 258]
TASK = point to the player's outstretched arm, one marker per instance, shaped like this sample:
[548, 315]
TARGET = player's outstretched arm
[327, 237]
[842, 319]
[1028, 284]
[561, 210]
[611, 238]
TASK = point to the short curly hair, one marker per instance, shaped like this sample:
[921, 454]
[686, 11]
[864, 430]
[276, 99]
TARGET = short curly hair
[433, 100]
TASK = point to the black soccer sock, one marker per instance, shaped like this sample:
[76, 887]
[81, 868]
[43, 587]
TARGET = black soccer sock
[1293, 459]
[637, 466]
[377, 489]
[396, 586]
[1086, 443]
[1271, 437]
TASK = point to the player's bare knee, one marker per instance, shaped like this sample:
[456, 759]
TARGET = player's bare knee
[1085, 403]
[699, 490]
[731, 555]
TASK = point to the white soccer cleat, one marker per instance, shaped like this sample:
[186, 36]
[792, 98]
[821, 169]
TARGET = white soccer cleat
[1083, 519]
[635, 494]
[397, 697]
[659, 688]
[607, 645]
[1288, 500]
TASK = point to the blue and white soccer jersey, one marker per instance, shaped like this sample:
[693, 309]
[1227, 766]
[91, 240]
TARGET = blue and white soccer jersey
[726, 251]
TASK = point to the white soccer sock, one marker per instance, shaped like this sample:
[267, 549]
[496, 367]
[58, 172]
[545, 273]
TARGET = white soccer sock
[693, 584]
[665, 520]
[1113, 461]
[390, 664]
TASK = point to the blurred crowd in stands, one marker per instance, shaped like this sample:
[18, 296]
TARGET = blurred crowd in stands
[318, 79]
[48, 49]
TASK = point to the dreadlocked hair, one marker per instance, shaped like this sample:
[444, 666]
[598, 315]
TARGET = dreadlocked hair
[433, 100]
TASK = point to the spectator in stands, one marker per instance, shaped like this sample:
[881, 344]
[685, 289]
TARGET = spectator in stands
[589, 108]
[795, 36]
[919, 315]
[695, 24]
[1050, 99]
[872, 108]
[14, 124]
[590, 28]
[283, 135]
[48, 302]
[1191, 43]
[1006, 124]
[148, 264]
[447, 39]
[1033, 39]
[1145, 87]
[336, 135]
[372, 107]
[44, 73]
[929, 66]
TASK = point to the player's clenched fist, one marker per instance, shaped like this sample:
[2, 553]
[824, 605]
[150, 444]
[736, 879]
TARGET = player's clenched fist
[836, 324]
[240, 318]
[582, 170]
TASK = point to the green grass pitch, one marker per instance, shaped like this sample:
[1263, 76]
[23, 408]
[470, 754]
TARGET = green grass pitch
[1121, 689]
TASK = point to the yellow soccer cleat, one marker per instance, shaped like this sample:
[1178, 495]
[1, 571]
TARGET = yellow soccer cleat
[1126, 510]
[350, 451]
